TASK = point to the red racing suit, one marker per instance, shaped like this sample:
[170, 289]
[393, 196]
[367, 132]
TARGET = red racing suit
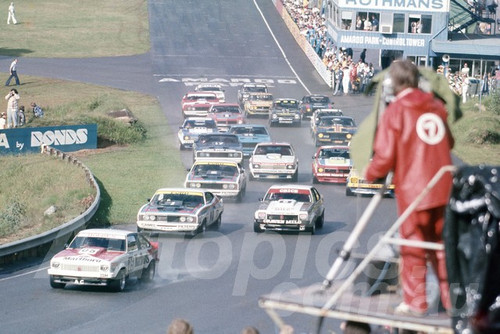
[414, 141]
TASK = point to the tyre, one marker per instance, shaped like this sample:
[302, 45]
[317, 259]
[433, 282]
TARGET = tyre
[295, 176]
[315, 180]
[182, 147]
[217, 224]
[118, 284]
[56, 285]
[320, 220]
[312, 229]
[148, 274]
[348, 192]
[201, 229]
[256, 228]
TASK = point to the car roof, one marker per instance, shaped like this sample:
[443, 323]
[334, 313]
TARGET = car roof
[248, 125]
[215, 162]
[183, 190]
[104, 232]
[333, 147]
[291, 186]
[254, 85]
[273, 143]
[202, 93]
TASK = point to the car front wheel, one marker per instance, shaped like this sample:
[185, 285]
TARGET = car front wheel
[118, 284]
[56, 285]
[148, 274]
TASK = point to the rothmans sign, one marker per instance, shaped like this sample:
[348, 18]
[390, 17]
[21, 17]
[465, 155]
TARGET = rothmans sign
[395, 5]
[66, 138]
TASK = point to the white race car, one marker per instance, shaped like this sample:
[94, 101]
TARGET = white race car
[274, 160]
[290, 208]
[104, 257]
[180, 210]
[223, 178]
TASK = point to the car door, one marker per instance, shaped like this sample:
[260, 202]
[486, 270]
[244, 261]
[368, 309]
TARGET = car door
[317, 202]
[135, 258]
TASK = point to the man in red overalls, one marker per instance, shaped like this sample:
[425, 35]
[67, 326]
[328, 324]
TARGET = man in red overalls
[414, 141]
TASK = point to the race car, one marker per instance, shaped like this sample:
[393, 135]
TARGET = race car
[285, 111]
[318, 113]
[258, 104]
[183, 210]
[213, 88]
[191, 128]
[248, 88]
[356, 184]
[250, 135]
[274, 160]
[225, 115]
[217, 147]
[310, 103]
[104, 257]
[223, 178]
[334, 130]
[331, 164]
[297, 208]
[197, 103]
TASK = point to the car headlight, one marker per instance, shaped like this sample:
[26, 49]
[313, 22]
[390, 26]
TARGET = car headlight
[354, 179]
[149, 217]
[190, 108]
[320, 135]
[194, 185]
[186, 137]
[255, 165]
[232, 186]
[348, 136]
[186, 219]
[240, 121]
[261, 215]
[296, 116]
[104, 267]
[320, 170]
[303, 216]
[290, 166]
[204, 154]
[55, 265]
[274, 116]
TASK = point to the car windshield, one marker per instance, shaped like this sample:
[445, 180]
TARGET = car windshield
[317, 99]
[328, 121]
[261, 97]
[219, 139]
[208, 97]
[257, 130]
[208, 88]
[191, 124]
[255, 89]
[178, 199]
[333, 153]
[288, 104]
[226, 109]
[215, 170]
[273, 149]
[276, 196]
[110, 244]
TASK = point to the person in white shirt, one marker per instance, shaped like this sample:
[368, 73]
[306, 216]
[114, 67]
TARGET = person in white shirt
[12, 14]
[3, 120]
[13, 73]
[12, 106]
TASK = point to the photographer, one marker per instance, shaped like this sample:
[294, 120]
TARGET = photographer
[12, 107]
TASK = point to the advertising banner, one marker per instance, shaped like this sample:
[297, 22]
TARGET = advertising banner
[65, 138]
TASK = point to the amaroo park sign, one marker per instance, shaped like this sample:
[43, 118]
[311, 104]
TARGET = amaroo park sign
[66, 138]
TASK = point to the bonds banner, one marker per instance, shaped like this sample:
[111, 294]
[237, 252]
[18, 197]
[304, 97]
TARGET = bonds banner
[65, 138]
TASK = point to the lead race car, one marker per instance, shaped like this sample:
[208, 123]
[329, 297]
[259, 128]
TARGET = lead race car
[104, 257]
[180, 210]
[297, 208]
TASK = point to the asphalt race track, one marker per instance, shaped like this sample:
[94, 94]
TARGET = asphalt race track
[214, 280]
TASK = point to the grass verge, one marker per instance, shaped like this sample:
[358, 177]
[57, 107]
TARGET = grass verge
[74, 28]
[128, 173]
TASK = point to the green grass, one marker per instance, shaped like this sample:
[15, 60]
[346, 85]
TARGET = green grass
[477, 133]
[76, 28]
[128, 174]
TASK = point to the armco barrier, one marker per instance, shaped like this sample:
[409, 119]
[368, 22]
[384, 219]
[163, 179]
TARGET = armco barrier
[39, 245]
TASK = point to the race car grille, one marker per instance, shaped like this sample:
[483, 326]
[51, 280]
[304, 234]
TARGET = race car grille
[212, 185]
[272, 166]
[219, 154]
[282, 217]
[337, 170]
[76, 267]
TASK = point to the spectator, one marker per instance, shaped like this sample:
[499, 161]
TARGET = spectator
[362, 56]
[13, 73]
[12, 14]
[3, 121]
[403, 130]
[21, 117]
[180, 326]
[374, 23]
[12, 106]
[38, 111]
[249, 330]
[465, 70]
